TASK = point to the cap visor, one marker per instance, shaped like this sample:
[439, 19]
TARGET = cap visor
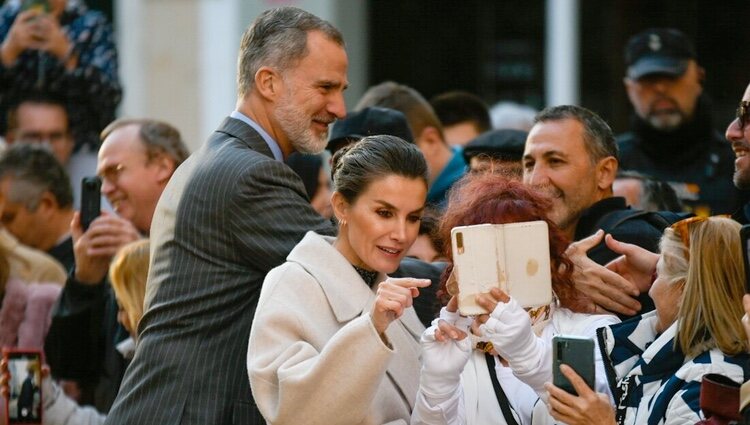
[657, 65]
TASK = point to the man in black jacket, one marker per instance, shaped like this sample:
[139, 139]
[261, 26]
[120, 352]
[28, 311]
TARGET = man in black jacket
[571, 155]
[672, 136]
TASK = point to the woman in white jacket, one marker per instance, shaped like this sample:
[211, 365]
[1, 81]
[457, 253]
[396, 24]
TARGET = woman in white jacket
[334, 340]
[456, 383]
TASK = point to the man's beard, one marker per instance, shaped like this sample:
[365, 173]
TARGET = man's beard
[292, 120]
[741, 179]
[666, 119]
[565, 213]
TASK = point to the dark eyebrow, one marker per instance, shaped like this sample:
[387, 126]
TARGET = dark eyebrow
[392, 207]
[547, 154]
[334, 84]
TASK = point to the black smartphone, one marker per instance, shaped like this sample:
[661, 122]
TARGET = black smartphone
[91, 200]
[576, 352]
[745, 239]
[24, 405]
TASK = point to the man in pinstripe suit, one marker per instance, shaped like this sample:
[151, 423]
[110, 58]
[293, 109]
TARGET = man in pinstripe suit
[230, 213]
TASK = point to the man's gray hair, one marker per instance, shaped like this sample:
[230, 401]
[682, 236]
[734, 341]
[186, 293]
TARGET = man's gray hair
[597, 136]
[157, 136]
[278, 39]
[33, 170]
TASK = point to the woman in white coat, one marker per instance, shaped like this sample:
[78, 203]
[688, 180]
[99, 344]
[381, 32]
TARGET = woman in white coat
[466, 380]
[334, 340]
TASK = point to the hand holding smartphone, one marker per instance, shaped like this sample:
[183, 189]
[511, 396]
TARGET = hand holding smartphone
[40, 5]
[576, 352]
[91, 197]
[24, 405]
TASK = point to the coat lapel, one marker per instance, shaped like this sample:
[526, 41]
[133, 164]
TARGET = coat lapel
[349, 297]
[241, 131]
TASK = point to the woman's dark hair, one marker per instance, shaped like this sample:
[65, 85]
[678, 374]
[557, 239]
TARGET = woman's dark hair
[494, 199]
[359, 164]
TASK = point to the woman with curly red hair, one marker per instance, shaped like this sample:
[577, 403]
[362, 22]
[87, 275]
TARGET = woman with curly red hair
[492, 368]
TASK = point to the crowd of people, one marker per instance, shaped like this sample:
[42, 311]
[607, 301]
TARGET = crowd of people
[297, 267]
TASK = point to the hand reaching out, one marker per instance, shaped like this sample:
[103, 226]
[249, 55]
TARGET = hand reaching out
[637, 265]
[607, 289]
[394, 295]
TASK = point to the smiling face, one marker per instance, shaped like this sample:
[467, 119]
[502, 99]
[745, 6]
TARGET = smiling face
[312, 95]
[666, 102]
[556, 163]
[740, 140]
[382, 223]
[131, 181]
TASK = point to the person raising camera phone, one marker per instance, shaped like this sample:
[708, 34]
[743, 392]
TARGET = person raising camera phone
[511, 346]
[658, 360]
[63, 49]
[136, 161]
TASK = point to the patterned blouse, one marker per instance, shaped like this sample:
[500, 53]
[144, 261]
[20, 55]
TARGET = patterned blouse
[91, 91]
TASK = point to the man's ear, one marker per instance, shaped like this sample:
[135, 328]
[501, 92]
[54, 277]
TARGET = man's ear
[429, 140]
[47, 203]
[701, 75]
[340, 206]
[606, 172]
[165, 167]
[268, 82]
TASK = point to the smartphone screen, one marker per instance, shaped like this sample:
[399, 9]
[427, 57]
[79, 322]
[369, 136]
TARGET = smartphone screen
[25, 401]
[91, 200]
[41, 5]
[576, 352]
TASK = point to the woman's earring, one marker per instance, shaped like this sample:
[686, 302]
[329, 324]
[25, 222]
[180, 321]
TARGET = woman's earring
[342, 223]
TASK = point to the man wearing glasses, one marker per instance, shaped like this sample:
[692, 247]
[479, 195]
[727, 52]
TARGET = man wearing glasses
[42, 119]
[672, 136]
[738, 135]
[136, 160]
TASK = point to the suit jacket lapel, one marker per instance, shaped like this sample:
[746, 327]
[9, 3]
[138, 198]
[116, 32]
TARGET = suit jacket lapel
[243, 132]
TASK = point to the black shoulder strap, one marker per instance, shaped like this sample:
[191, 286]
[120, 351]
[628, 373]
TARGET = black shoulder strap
[502, 399]
[660, 220]
[615, 218]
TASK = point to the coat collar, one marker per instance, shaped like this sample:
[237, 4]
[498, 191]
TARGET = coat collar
[349, 297]
[346, 302]
[243, 132]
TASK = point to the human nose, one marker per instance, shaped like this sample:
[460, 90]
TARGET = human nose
[107, 186]
[659, 86]
[337, 105]
[399, 231]
[535, 176]
[734, 133]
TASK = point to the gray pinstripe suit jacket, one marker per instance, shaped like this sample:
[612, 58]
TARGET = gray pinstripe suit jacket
[229, 215]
